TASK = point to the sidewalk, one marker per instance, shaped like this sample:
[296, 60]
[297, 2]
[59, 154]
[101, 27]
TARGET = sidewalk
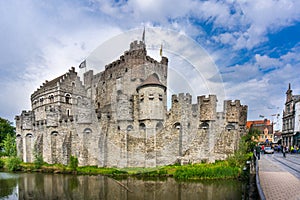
[276, 183]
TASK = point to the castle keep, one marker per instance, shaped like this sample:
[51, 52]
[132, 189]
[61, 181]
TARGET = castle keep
[119, 118]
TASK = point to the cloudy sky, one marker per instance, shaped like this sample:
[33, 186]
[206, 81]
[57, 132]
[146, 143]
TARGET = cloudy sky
[255, 44]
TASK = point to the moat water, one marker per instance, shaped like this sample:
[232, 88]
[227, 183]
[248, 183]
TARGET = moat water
[61, 186]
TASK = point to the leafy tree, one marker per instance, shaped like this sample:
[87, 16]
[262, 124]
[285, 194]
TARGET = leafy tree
[250, 139]
[9, 146]
[13, 163]
[6, 128]
[38, 161]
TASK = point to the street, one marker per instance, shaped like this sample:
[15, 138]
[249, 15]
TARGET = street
[291, 163]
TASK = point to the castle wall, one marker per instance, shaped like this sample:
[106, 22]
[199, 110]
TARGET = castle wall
[118, 119]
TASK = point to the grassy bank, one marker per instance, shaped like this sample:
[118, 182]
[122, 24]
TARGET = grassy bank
[218, 170]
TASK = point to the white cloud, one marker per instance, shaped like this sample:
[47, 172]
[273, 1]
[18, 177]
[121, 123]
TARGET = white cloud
[263, 92]
[42, 40]
[265, 62]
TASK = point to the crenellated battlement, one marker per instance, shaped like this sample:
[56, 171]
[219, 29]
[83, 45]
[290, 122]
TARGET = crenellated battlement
[232, 109]
[207, 107]
[48, 85]
[69, 117]
[182, 98]
[204, 99]
[137, 45]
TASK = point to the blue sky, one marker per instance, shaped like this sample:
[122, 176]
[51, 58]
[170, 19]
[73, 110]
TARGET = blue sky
[254, 44]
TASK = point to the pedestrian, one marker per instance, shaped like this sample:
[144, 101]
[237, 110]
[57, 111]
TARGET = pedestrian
[257, 150]
[283, 150]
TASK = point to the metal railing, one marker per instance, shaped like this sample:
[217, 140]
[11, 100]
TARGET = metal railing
[259, 189]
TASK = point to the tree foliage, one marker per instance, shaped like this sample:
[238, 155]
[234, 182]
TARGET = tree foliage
[38, 161]
[250, 139]
[6, 129]
[13, 163]
[73, 163]
[9, 146]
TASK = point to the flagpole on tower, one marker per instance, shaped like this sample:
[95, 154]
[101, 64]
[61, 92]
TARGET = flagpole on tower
[160, 51]
[143, 37]
[83, 65]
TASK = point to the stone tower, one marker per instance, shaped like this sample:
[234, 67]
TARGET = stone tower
[119, 118]
[152, 95]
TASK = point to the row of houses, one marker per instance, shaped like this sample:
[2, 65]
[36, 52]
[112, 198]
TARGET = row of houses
[290, 134]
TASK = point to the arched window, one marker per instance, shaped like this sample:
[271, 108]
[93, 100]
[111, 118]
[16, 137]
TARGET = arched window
[160, 97]
[29, 135]
[87, 131]
[204, 125]
[51, 98]
[18, 135]
[129, 128]
[142, 126]
[230, 127]
[68, 112]
[159, 126]
[54, 133]
[177, 125]
[68, 98]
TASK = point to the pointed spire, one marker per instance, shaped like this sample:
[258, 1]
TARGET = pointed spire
[160, 51]
[289, 86]
[143, 37]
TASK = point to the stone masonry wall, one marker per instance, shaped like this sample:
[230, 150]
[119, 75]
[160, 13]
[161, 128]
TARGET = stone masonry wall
[118, 119]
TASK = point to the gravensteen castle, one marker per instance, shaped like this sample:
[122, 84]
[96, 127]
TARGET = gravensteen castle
[119, 118]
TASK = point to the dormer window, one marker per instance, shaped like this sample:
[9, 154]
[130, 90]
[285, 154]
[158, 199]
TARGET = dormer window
[41, 99]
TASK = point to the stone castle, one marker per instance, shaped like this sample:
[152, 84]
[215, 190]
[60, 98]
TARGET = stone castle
[119, 118]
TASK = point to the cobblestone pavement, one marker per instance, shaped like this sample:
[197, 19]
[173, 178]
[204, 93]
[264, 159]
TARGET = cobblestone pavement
[276, 182]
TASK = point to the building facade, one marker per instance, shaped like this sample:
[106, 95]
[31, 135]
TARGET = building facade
[119, 118]
[265, 129]
[291, 119]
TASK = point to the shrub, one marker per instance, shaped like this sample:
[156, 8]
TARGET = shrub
[73, 163]
[13, 163]
[219, 170]
[38, 161]
[1, 163]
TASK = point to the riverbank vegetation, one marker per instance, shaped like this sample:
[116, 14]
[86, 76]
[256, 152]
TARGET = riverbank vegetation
[218, 170]
[228, 169]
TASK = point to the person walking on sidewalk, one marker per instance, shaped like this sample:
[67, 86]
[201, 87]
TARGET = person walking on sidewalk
[283, 150]
[257, 151]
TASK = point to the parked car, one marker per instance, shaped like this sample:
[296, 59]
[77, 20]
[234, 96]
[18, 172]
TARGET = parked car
[269, 150]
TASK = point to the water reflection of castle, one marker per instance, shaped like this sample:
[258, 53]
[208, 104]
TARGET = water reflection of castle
[119, 118]
[41, 186]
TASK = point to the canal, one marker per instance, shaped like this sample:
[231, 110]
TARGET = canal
[62, 186]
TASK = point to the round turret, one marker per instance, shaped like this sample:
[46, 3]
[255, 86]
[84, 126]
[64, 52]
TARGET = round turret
[151, 99]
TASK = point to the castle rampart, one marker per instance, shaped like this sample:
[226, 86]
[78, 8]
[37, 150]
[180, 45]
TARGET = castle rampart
[119, 118]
